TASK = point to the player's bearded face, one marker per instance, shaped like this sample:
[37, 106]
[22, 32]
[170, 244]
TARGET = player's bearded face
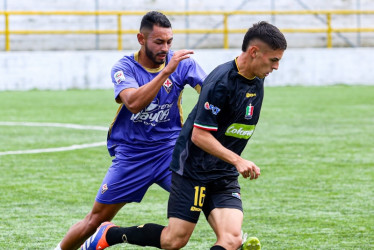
[157, 44]
[157, 57]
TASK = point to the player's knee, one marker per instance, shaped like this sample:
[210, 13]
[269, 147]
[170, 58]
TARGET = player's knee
[234, 241]
[92, 222]
[174, 242]
[178, 244]
[237, 242]
[231, 241]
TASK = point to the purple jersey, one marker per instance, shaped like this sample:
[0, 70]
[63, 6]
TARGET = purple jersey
[161, 121]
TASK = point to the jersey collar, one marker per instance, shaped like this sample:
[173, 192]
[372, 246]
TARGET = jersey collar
[150, 70]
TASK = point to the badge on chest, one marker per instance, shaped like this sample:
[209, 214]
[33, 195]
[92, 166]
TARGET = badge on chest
[168, 85]
[249, 112]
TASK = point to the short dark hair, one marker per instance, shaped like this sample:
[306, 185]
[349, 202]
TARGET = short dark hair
[154, 18]
[267, 33]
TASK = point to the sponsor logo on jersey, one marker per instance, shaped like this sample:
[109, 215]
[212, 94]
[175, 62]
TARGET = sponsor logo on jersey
[104, 188]
[153, 114]
[195, 209]
[248, 95]
[119, 76]
[249, 112]
[215, 110]
[241, 131]
[168, 85]
[236, 195]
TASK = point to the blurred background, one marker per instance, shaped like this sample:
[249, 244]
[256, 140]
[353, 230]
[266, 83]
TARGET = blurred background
[59, 44]
[106, 22]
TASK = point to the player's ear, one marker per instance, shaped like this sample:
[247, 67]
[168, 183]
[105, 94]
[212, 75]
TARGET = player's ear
[141, 38]
[253, 50]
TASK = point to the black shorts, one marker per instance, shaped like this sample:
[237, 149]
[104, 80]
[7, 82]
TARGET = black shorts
[189, 197]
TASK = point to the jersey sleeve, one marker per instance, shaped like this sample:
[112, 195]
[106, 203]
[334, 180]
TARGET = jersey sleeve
[211, 101]
[123, 78]
[193, 74]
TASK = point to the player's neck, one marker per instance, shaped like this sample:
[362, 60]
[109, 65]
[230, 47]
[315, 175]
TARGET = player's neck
[243, 63]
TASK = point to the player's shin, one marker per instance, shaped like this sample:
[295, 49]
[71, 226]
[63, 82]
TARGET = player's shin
[144, 235]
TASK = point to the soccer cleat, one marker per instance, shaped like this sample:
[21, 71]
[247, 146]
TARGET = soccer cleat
[252, 243]
[98, 239]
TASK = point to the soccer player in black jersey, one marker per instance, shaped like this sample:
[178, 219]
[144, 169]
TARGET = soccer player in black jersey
[206, 160]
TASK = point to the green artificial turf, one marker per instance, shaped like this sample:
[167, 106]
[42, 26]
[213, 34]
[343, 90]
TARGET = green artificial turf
[314, 145]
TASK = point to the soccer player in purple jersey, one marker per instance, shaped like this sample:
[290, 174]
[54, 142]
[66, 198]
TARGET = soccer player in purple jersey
[206, 160]
[148, 86]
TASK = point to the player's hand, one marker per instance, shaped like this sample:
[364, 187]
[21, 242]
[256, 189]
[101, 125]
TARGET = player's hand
[176, 58]
[248, 169]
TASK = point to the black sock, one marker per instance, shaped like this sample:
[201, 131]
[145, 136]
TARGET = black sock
[143, 235]
[217, 247]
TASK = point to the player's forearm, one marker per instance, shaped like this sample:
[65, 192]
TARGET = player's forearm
[207, 142]
[137, 99]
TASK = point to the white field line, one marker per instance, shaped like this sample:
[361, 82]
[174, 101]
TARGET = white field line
[59, 125]
[48, 150]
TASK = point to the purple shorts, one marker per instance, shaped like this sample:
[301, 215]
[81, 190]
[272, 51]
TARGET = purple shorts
[133, 171]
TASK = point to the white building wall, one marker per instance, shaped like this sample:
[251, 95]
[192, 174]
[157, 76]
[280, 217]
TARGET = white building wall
[61, 70]
[109, 42]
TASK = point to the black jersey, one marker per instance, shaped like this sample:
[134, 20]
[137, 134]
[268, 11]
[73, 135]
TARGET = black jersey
[229, 106]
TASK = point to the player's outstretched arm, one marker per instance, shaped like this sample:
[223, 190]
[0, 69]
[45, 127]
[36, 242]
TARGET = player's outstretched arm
[137, 99]
[207, 142]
